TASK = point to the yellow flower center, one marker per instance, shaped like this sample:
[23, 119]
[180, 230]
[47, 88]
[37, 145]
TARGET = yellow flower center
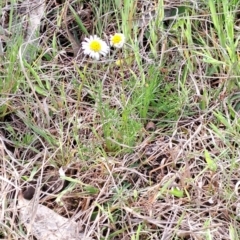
[95, 46]
[116, 39]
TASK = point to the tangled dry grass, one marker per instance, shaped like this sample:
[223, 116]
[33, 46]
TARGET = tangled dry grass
[136, 165]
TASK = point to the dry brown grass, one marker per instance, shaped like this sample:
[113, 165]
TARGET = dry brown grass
[156, 184]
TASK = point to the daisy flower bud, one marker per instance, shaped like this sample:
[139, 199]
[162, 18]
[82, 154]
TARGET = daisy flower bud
[95, 47]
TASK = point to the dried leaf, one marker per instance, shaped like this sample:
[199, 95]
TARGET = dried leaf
[151, 126]
[36, 12]
[44, 223]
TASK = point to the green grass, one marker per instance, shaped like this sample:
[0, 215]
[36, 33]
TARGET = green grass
[178, 72]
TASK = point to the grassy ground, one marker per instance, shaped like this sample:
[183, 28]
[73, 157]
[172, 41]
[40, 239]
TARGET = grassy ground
[148, 137]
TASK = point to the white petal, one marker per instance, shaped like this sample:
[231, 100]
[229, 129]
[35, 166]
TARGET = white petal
[96, 55]
[61, 172]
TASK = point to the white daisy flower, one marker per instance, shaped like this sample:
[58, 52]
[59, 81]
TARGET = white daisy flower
[117, 40]
[94, 47]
